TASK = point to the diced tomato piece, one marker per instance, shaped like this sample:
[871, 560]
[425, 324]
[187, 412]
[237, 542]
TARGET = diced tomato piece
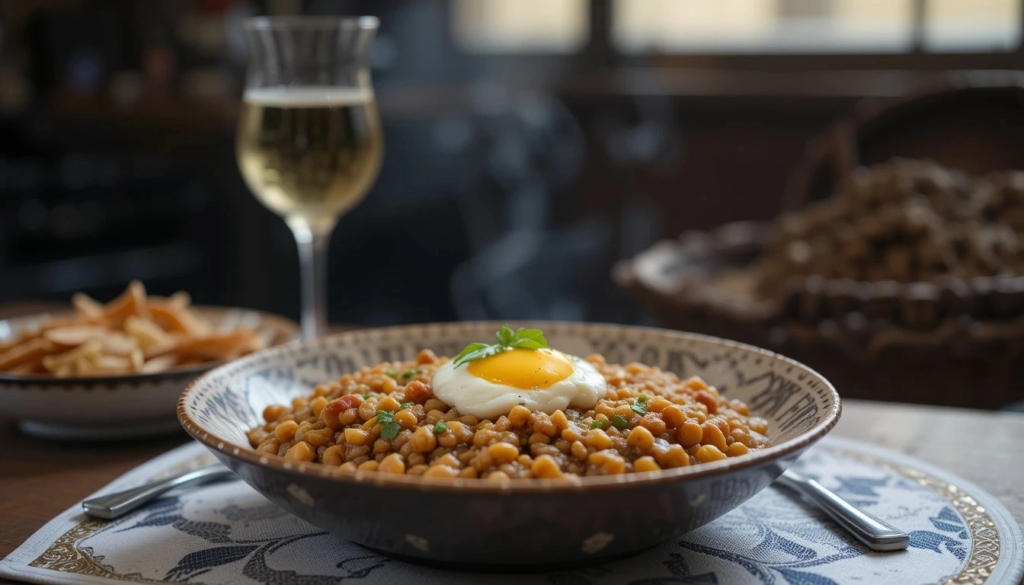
[418, 392]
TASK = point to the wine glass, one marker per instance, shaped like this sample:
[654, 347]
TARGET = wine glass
[309, 141]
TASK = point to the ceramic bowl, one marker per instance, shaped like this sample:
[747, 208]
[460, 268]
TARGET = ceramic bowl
[526, 524]
[132, 405]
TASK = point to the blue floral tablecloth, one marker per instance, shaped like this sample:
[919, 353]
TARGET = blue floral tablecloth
[228, 533]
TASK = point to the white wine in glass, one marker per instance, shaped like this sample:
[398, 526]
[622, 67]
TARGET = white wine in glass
[309, 152]
[309, 138]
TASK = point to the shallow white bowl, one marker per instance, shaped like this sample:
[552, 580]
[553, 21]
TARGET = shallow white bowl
[130, 405]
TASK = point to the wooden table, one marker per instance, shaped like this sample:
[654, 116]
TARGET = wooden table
[39, 479]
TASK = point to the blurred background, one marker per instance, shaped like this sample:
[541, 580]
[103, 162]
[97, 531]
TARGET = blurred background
[530, 144]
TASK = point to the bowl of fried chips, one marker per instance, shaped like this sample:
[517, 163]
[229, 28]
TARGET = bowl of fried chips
[116, 370]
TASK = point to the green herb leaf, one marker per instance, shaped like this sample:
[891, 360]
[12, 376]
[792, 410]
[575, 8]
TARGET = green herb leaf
[529, 339]
[389, 430]
[599, 424]
[366, 395]
[640, 406]
[388, 427]
[440, 427]
[505, 336]
[404, 405]
[619, 422]
[473, 352]
[486, 351]
[410, 373]
[391, 373]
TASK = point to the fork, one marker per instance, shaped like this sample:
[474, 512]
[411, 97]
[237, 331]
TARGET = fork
[873, 532]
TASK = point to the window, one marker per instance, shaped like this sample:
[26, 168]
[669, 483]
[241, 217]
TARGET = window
[814, 26]
[757, 26]
[520, 26]
[962, 26]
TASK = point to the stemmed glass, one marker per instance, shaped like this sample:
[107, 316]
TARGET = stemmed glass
[309, 142]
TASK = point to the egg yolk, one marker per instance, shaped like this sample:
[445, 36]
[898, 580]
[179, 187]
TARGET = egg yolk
[523, 368]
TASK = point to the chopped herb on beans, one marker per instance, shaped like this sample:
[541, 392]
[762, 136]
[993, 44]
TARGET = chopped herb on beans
[404, 405]
[388, 427]
[410, 373]
[440, 427]
[640, 406]
[366, 395]
[391, 373]
[599, 424]
[619, 422]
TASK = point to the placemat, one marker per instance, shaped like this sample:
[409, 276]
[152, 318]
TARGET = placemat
[228, 533]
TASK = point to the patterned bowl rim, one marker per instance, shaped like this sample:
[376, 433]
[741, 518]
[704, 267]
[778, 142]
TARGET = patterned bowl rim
[299, 470]
[289, 329]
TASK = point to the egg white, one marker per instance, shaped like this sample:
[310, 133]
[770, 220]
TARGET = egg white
[483, 399]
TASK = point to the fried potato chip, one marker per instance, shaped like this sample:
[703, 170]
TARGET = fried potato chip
[25, 353]
[117, 343]
[132, 333]
[27, 368]
[137, 359]
[31, 364]
[86, 305]
[180, 299]
[10, 343]
[159, 364]
[86, 350]
[61, 322]
[178, 319]
[155, 351]
[213, 347]
[132, 302]
[146, 332]
[111, 364]
[83, 366]
[74, 335]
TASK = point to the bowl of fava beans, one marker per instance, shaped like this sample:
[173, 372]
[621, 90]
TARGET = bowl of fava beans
[451, 444]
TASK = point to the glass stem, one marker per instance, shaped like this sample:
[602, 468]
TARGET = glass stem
[312, 242]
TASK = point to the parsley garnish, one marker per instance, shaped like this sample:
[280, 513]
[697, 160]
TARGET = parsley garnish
[404, 405]
[388, 427]
[619, 422]
[599, 424]
[391, 373]
[532, 339]
[410, 373]
[640, 406]
[440, 427]
[366, 395]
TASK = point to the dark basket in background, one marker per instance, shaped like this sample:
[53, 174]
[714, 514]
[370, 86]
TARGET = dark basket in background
[948, 342]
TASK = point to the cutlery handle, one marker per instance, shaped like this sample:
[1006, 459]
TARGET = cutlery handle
[874, 533]
[117, 504]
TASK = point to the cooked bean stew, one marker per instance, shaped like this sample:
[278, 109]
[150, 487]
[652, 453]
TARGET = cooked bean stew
[386, 419]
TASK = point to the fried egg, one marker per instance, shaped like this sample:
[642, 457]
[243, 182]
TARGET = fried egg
[542, 380]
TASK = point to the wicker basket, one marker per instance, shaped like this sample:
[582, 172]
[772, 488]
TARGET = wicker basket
[952, 343]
